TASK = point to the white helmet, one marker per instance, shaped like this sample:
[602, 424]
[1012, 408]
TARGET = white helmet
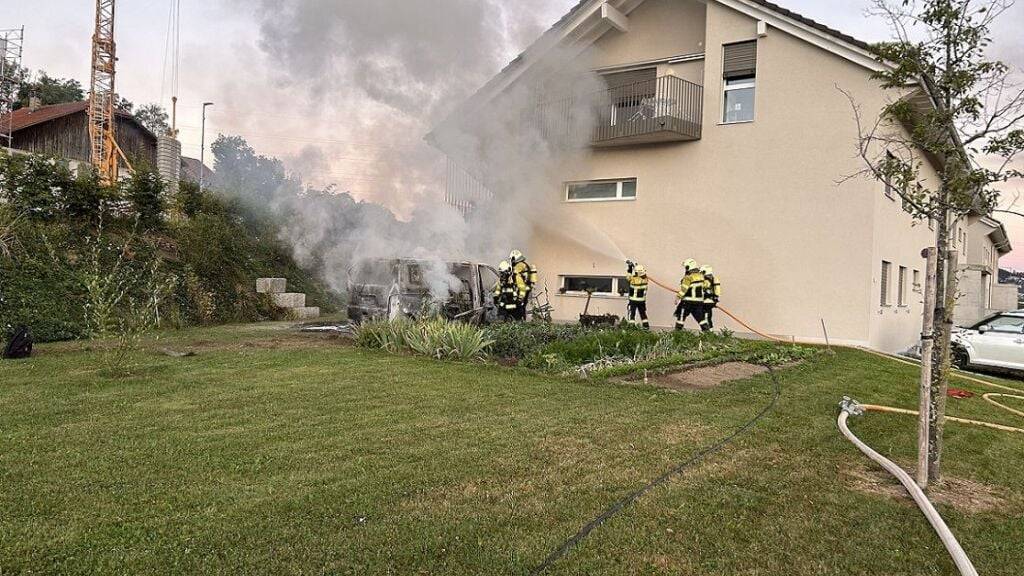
[516, 257]
[690, 264]
[504, 266]
[640, 270]
[707, 270]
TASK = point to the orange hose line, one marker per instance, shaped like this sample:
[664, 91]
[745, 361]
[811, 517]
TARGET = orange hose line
[727, 313]
[891, 410]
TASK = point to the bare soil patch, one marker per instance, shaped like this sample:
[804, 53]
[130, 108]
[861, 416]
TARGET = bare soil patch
[967, 496]
[706, 377]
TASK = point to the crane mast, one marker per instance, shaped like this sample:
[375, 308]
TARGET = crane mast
[102, 120]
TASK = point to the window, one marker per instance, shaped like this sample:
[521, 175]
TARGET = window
[917, 281]
[1005, 324]
[629, 93]
[739, 73]
[901, 287]
[599, 285]
[601, 190]
[886, 271]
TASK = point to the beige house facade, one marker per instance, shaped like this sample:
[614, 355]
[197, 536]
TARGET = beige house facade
[729, 140]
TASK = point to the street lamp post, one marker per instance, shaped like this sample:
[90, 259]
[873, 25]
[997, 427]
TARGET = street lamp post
[202, 147]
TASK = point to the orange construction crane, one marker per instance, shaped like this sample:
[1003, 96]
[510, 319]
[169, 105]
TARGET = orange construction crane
[102, 119]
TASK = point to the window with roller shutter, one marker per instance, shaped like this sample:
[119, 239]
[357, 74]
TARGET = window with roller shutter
[739, 73]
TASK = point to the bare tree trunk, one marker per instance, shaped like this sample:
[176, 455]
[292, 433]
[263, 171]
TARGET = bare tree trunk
[939, 357]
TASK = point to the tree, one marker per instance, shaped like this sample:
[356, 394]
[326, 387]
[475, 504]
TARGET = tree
[154, 118]
[962, 111]
[49, 90]
[145, 190]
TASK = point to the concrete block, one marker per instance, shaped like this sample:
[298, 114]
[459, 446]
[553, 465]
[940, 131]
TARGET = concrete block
[271, 285]
[304, 313]
[289, 300]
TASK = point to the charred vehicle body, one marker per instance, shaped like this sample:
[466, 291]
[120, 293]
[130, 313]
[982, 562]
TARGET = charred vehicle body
[409, 288]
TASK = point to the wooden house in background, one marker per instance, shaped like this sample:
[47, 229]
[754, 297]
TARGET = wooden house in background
[62, 131]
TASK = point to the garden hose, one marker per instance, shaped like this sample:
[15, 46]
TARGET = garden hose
[963, 563]
[727, 313]
[626, 501]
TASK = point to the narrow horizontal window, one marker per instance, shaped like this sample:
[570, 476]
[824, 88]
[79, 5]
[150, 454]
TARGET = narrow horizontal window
[597, 285]
[601, 190]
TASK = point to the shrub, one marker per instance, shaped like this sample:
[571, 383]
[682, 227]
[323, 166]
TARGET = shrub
[437, 338]
[517, 340]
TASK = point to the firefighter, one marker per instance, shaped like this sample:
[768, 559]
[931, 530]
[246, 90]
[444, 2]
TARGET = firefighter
[691, 297]
[638, 284]
[527, 272]
[508, 293]
[712, 294]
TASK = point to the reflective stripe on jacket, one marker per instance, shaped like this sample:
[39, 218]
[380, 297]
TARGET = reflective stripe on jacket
[691, 287]
[637, 288]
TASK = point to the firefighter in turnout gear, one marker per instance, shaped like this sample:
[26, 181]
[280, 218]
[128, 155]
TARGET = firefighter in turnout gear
[691, 297]
[638, 284]
[527, 272]
[712, 294]
[509, 293]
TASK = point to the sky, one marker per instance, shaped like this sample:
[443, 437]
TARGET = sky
[342, 90]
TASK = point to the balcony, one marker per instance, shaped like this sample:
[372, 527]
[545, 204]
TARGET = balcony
[664, 109]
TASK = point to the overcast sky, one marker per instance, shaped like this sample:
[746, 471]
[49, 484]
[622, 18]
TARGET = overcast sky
[293, 80]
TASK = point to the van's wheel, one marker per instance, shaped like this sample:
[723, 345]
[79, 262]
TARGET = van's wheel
[961, 359]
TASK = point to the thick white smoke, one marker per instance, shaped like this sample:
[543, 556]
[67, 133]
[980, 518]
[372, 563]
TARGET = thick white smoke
[400, 67]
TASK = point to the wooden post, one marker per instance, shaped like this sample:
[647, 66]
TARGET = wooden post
[927, 343]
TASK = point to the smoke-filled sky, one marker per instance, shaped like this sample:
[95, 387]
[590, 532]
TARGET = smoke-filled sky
[344, 90]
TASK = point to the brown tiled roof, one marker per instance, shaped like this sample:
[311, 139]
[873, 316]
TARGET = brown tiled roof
[24, 117]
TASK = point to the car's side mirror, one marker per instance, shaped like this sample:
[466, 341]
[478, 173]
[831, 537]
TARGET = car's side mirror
[983, 329]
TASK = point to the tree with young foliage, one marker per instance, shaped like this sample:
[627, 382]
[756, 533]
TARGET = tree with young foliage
[959, 110]
[48, 89]
[154, 118]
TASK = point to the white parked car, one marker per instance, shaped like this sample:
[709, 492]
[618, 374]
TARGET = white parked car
[995, 342]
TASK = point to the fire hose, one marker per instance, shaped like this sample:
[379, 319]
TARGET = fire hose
[853, 408]
[727, 313]
[989, 397]
[963, 563]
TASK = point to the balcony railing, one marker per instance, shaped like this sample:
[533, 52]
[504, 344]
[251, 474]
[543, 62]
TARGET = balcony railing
[664, 109]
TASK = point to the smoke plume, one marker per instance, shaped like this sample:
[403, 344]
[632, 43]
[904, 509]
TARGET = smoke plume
[396, 69]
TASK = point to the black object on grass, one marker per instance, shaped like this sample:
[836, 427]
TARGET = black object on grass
[19, 344]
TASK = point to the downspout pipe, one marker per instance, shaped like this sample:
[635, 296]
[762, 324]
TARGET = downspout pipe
[852, 408]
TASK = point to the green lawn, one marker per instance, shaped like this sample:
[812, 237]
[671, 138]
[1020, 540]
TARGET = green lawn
[269, 454]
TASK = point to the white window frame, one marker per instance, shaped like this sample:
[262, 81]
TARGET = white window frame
[616, 286]
[618, 190]
[726, 88]
[918, 289]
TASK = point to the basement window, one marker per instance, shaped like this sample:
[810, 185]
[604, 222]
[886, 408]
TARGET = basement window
[599, 285]
[601, 190]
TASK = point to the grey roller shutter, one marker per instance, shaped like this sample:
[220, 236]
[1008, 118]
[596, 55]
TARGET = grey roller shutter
[740, 60]
[631, 77]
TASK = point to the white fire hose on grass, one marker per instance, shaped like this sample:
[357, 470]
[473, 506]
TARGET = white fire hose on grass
[963, 563]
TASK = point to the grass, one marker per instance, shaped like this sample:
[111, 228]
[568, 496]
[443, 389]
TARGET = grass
[273, 453]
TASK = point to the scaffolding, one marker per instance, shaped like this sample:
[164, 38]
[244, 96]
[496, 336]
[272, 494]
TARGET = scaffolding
[11, 43]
